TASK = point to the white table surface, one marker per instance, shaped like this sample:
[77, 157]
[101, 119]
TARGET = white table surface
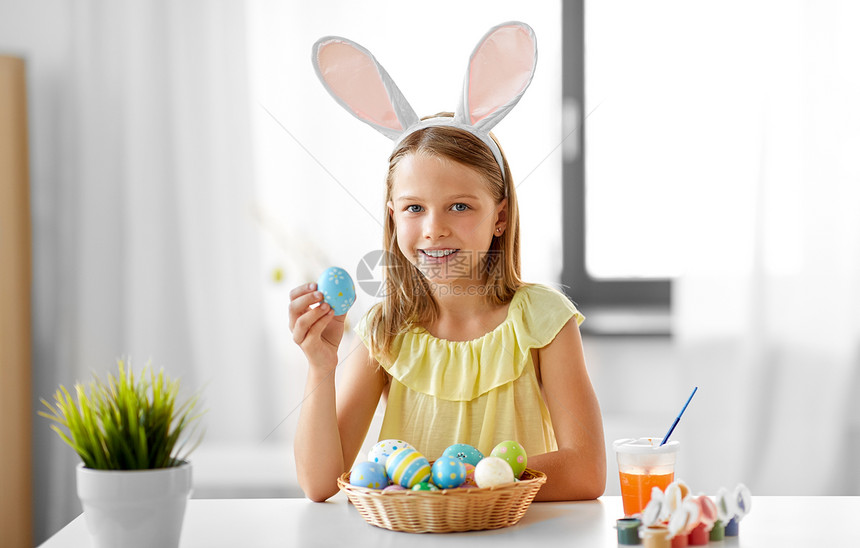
[773, 522]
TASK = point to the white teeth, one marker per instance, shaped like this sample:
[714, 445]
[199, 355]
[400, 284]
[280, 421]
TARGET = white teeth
[438, 253]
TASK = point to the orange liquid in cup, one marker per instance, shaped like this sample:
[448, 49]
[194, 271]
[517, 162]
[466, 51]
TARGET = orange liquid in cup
[636, 489]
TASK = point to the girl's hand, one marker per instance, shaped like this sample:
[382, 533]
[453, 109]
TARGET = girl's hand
[316, 330]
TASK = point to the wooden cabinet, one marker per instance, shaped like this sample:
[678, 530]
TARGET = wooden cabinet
[16, 409]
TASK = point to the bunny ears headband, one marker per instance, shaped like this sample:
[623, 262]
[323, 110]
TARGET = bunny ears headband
[500, 69]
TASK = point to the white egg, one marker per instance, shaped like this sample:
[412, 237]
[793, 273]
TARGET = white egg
[492, 471]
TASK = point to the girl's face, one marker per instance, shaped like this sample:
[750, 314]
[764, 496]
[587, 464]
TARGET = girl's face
[445, 217]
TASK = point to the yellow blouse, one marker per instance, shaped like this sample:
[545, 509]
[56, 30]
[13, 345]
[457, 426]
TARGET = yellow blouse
[479, 392]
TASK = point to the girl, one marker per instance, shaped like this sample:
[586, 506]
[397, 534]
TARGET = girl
[462, 350]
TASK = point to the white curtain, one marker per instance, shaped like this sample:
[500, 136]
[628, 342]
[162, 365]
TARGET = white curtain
[768, 317]
[146, 245]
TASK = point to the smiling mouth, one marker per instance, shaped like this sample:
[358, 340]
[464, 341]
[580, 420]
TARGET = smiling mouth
[437, 256]
[437, 253]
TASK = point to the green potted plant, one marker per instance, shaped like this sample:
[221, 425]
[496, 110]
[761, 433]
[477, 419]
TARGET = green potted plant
[133, 438]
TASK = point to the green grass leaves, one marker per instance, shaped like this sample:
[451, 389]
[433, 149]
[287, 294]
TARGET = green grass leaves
[126, 424]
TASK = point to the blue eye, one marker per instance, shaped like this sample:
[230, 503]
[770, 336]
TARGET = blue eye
[460, 207]
[414, 209]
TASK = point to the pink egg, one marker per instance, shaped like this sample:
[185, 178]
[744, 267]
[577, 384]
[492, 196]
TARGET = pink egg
[470, 476]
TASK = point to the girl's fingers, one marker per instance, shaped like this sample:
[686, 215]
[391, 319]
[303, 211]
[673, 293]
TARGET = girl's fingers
[308, 323]
[301, 290]
[301, 304]
[316, 330]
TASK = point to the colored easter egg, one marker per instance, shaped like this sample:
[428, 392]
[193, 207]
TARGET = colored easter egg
[464, 452]
[395, 487]
[407, 467]
[448, 472]
[470, 476]
[514, 454]
[368, 474]
[492, 471]
[424, 486]
[382, 449]
[337, 288]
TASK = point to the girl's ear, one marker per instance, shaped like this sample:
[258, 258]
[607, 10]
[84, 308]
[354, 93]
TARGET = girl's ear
[500, 69]
[360, 85]
[501, 217]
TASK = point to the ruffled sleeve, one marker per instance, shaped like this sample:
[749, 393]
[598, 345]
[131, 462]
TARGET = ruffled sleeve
[464, 370]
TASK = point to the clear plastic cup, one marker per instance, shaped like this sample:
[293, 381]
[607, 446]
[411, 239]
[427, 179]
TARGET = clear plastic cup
[642, 465]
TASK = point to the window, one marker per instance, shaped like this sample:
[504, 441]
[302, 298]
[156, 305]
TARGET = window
[612, 265]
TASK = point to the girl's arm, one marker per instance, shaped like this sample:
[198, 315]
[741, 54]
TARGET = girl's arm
[577, 471]
[332, 423]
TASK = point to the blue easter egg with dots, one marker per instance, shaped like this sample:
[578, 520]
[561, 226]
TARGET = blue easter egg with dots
[448, 472]
[464, 452]
[337, 288]
[369, 474]
[380, 452]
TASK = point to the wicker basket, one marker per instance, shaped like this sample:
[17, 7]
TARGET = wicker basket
[448, 510]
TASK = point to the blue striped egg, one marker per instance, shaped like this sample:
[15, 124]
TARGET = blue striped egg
[407, 467]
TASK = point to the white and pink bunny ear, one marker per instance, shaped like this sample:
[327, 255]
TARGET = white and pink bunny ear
[358, 82]
[500, 70]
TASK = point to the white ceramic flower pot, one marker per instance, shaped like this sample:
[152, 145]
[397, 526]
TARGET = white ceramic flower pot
[134, 508]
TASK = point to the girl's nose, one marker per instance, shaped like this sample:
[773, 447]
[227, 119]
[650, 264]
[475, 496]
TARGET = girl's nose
[434, 227]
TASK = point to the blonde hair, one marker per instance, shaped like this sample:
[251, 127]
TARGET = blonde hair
[407, 301]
